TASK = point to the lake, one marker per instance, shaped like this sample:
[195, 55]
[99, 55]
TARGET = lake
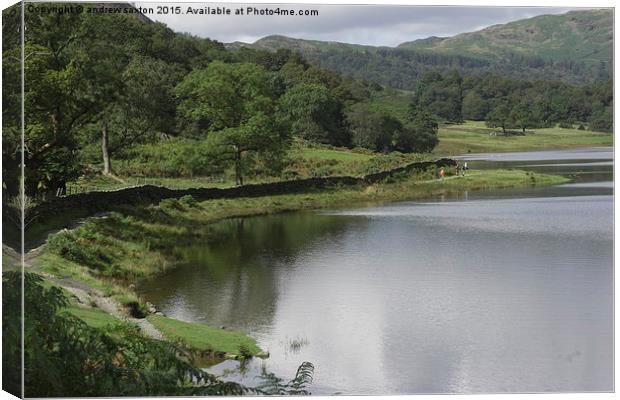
[480, 292]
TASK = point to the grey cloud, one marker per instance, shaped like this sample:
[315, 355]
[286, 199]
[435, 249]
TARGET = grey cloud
[374, 25]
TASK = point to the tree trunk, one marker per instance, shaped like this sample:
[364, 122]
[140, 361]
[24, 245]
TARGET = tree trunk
[107, 163]
[503, 129]
[238, 176]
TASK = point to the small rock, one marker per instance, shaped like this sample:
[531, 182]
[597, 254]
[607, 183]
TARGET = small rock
[151, 307]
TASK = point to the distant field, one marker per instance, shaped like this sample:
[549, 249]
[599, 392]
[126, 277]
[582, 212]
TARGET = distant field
[475, 137]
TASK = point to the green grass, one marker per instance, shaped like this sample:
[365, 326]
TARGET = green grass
[204, 337]
[329, 154]
[475, 137]
[92, 316]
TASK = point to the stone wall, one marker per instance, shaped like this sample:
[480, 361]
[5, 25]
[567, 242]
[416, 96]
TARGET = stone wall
[94, 202]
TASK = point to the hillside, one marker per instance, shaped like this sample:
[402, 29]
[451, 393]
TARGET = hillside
[578, 36]
[575, 47]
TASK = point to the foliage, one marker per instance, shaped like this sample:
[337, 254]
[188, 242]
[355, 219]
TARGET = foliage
[313, 113]
[499, 117]
[226, 95]
[602, 120]
[65, 357]
[272, 385]
[420, 135]
[236, 101]
[441, 95]
[372, 130]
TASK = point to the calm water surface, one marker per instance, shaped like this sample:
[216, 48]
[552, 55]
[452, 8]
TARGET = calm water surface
[494, 291]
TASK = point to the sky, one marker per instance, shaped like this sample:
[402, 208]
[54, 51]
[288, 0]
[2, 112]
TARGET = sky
[362, 24]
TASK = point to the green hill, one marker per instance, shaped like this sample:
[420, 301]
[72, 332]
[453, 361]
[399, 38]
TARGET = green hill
[575, 47]
[577, 36]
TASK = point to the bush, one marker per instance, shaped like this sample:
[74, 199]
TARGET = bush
[80, 247]
[188, 201]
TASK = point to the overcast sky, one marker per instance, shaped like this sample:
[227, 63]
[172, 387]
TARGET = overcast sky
[373, 25]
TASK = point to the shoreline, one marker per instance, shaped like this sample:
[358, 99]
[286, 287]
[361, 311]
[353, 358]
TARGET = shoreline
[154, 229]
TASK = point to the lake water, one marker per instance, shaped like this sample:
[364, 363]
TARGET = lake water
[482, 292]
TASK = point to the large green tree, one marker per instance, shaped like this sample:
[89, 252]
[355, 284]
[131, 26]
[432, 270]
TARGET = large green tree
[499, 117]
[236, 104]
[312, 112]
[419, 135]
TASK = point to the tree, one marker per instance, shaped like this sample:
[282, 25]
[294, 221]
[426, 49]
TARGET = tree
[226, 95]
[419, 135]
[236, 101]
[440, 95]
[602, 120]
[145, 106]
[474, 106]
[523, 115]
[370, 129]
[312, 112]
[499, 117]
[260, 137]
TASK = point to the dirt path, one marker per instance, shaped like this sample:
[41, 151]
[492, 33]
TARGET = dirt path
[89, 297]
[85, 295]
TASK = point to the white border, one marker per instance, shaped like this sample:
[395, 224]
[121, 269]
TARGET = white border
[490, 3]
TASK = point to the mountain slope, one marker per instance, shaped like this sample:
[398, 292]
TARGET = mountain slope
[575, 47]
[577, 36]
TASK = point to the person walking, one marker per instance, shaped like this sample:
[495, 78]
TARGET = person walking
[442, 173]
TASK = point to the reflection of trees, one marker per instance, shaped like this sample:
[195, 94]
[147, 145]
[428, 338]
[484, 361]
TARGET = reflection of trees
[233, 280]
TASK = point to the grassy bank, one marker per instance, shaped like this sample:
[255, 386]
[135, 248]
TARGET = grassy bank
[476, 137]
[205, 338]
[110, 253]
[135, 242]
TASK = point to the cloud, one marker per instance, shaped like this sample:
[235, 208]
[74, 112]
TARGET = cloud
[362, 24]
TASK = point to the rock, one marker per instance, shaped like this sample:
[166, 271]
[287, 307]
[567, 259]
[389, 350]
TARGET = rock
[151, 307]
[132, 287]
